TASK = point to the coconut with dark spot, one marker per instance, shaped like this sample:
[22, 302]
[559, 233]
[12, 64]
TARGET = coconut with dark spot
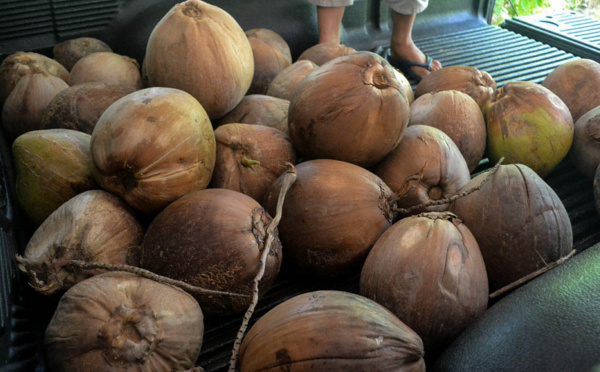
[322, 53]
[331, 331]
[79, 107]
[250, 158]
[271, 56]
[332, 216]
[285, 83]
[152, 147]
[520, 223]
[260, 109]
[70, 51]
[213, 239]
[528, 124]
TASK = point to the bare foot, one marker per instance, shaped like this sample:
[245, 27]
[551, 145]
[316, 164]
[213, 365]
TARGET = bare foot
[410, 52]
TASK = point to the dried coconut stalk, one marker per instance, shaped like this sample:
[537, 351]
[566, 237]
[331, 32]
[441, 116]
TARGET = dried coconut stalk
[289, 179]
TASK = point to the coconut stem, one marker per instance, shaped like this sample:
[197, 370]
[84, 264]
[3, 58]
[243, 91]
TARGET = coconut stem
[150, 275]
[249, 162]
[288, 180]
[534, 274]
[453, 197]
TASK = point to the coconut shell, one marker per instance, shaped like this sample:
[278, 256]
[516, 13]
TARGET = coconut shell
[350, 109]
[213, 239]
[19, 64]
[457, 115]
[260, 109]
[121, 322]
[94, 226]
[285, 83]
[425, 167]
[68, 52]
[332, 216]
[24, 107]
[201, 49]
[576, 84]
[152, 147]
[405, 87]
[271, 56]
[428, 270]
[519, 222]
[322, 53]
[585, 151]
[52, 166]
[331, 331]
[528, 124]
[79, 107]
[469, 80]
[250, 158]
[107, 67]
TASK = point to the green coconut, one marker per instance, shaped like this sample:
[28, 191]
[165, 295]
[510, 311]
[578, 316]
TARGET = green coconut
[52, 167]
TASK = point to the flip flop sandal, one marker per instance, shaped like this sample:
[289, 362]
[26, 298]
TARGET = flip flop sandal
[403, 65]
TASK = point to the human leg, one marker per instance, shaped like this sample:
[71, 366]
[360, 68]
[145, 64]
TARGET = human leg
[329, 18]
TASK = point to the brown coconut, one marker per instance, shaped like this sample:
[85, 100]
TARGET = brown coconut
[285, 83]
[122, 322]
[79, 107]
[425, 167]
[250, 158]
[24, 107]
[201, 49]
[331, 331]
[332, 216]
[519, 222]
[52, 166]
[428, 270]
[351, 109]
[70, 51]
[469, 80]
[260, 109]
[152, 147]
[585, 151]
[107, 67]
[94, 226]
[457, 115]
[271, 56]
[576, 84]
[528, 124]
[19, 64]
[405, 87]
[213, 239]
[322, 53]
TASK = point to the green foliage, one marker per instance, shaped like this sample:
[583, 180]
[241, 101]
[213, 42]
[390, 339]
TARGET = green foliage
[503, 9]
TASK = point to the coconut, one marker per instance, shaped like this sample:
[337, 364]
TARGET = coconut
[24, 107]
[70, 51]
[349, 109]
[121, 322]
[213, 239]
[322, 53]
[79, 107]
[52, 166]
[425, 167]
[428, 270]
[260, 109]
[332, 216]
[405, 87]
[457, 115]
[285, 83]
[575, 83]
[19, 64]
[107, 67]
[152, 147]
[271, 56]
[250, 158]
[585, 151]
[94, 226]
[530, 125]
[201, 49]
[519, 222]
[331, 331]
[469, 80]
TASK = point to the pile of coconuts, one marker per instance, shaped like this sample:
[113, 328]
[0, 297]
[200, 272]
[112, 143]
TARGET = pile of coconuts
[139, 181]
